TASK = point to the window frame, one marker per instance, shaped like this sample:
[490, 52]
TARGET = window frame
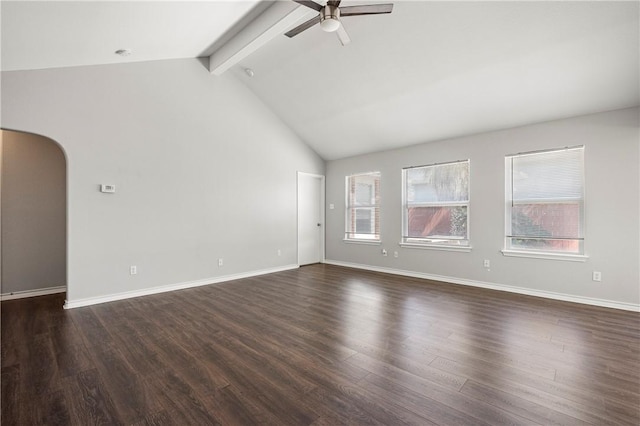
[354, 237]
[508, 248]
[447, 243]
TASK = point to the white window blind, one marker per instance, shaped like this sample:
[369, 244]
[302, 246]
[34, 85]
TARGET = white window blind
[436, 204]
[545, 201]
[363, 207]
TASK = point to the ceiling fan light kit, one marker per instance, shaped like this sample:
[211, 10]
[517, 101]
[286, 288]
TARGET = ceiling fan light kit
[329, 17]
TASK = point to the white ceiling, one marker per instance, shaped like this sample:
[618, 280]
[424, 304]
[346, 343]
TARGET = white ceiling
[428, 71]
[435, 70]
[52, 34]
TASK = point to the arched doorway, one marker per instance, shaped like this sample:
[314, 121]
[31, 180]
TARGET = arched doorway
[33, 206]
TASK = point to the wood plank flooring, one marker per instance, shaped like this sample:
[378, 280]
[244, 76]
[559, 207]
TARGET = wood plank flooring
[322, 345]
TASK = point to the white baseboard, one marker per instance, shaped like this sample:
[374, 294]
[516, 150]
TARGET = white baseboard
[500, 287]
[70, 304]
[32, 293]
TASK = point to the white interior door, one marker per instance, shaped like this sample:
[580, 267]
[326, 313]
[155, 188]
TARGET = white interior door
[310, 218]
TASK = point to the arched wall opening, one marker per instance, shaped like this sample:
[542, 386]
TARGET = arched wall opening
[33, 206]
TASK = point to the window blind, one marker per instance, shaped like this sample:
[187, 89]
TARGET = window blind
[436, 204]
[363, 206]
[546, 200]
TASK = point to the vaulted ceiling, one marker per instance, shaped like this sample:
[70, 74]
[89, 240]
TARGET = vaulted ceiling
[426, 72]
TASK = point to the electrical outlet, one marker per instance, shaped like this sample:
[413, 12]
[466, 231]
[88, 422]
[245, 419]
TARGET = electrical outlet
[384, 252]
[133, 270]
[487, 263]
[279, 252]
[597, 276]
[220, 262]
[395, 254]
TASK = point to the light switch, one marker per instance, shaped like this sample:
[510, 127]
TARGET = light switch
[107, 188]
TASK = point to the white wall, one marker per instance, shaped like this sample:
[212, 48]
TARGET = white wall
[203, 170]
[33, 215]
[612, 209]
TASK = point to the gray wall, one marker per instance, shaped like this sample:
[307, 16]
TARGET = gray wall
[611, 212]
[33, 213]
[203, 170]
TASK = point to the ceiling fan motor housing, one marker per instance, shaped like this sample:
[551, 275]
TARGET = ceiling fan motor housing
[330, 18]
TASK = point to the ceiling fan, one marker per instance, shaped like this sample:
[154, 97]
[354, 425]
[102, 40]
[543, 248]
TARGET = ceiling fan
[329, 16]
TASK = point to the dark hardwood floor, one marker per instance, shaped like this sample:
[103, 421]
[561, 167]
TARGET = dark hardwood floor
[321, 345]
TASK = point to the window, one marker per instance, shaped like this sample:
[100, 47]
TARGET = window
[545, 201]
[436, 205]
[363, 207]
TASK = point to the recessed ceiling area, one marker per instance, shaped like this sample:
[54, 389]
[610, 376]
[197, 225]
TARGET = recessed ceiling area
[428, 71]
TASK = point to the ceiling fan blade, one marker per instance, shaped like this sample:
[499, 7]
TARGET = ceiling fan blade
[304, 26]
[335, 3]
[343, 36]
[312, 4]
[368, 9]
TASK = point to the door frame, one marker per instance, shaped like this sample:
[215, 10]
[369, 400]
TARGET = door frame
[50, 290]
[322, 213]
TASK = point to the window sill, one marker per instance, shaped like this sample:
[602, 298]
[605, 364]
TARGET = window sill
[548, 256]
[364, 242]
[465, 249]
